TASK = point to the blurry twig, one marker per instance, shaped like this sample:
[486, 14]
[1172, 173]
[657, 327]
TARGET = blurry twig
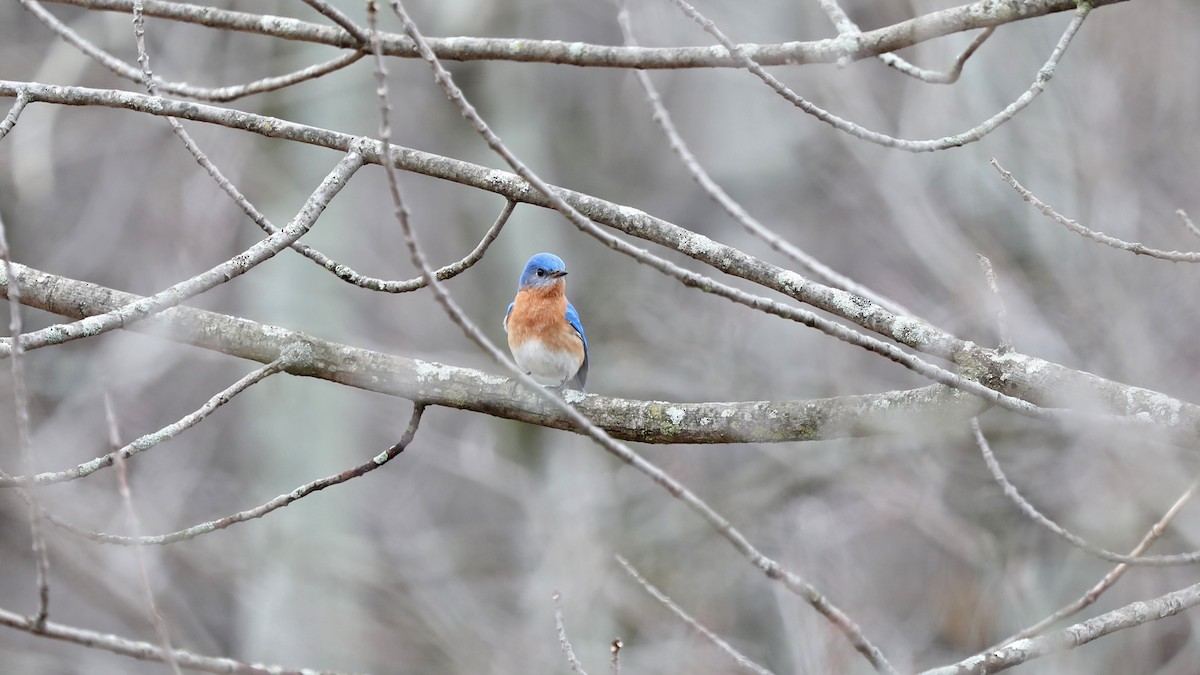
[234, 267]
[258, 511]
[1187, 222]
[732, 207]
[614, 661]
[149, 440]
[1129, 616]
[862, 133]
[1006, 344]
[769, 567]
[1113, 575]
[1100, 237]
[135, 526]
[1033, 514]
[563, 642]
[214, 94]
[846, 26]
[740, 659]
[25, 441]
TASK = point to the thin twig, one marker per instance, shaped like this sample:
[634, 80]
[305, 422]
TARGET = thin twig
[735, 210]
[1187, 222]
[1099, 237]
[152, 439]
[743, 662]
[337, 16]
[258, 511]
[862, 133]
[1006, 344]
[234, 267]
[614, 661]
[1113, 575]
[25, 441]
[563, 642]
[1129, 616]
[769, 567]
[135, 526]
[846, 26]
[1033, 514]
[147, 651]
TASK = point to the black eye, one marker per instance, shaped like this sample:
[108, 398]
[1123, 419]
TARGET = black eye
[541, 272]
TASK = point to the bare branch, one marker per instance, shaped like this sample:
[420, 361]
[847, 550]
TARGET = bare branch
[25, 440]
[735, 210]
[10, 120]
[215, 94]
[146, 651]
[1187, 222]
[563, 642]
[1006, 344]
[1100, 237]
[972, 16]
[740, 659]
[1036, 516]
[234, 267]
[846, 26]
[258, 511]
[149, 440]
[749, 62]
[614, 661]
[1113, 575]
[1129, 616]
[135, 526]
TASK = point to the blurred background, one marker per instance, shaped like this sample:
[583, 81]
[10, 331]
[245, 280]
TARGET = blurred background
[446, 559]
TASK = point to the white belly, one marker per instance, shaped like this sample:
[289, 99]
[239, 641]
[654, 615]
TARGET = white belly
[546, 366]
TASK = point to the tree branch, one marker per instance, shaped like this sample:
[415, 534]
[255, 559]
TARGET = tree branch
[1134, 614]
[981, 14]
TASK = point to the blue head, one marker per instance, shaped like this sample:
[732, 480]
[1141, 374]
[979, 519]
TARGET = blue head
[542, 270]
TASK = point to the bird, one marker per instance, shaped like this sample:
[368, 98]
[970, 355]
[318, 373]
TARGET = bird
[545, 334]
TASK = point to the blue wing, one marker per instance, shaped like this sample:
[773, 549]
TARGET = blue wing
[509, 311]
[573, 319]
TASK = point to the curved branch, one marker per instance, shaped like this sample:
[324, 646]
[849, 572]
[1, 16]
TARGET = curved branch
[1134, 247]
[981, 14]
[468, 389]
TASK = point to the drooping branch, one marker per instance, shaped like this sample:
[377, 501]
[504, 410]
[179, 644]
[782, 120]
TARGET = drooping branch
[850, 47]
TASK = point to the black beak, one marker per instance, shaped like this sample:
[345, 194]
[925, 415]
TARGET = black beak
[560, 273]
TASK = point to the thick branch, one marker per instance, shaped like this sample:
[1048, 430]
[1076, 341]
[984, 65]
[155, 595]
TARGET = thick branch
[468, 389]
[982, 14]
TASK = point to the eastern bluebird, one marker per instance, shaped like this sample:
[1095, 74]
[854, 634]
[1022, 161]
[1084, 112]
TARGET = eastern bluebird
[544, 332]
